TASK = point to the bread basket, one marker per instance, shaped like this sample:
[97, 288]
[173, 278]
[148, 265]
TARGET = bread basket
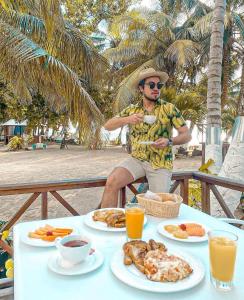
[168, 207]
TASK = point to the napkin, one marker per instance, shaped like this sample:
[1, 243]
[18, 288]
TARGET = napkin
[153, 196]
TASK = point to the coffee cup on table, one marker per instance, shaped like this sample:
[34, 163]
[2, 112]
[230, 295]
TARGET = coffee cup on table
[149, 119]
[73, 249]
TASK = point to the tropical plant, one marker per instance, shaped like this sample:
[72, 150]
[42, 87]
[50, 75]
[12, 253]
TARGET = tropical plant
[87, 15]
[233, 38]
[147, 39]
[42, 53]
[16, 143]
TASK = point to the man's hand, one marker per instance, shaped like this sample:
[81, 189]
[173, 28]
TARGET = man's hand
[161, 143]
[135, 119]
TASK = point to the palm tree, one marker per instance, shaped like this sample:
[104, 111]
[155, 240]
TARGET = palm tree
[147, 39]
[233, 35]
[213, 142]
[41, 52]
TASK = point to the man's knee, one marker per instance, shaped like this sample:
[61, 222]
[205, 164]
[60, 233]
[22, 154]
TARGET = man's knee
[112, 182]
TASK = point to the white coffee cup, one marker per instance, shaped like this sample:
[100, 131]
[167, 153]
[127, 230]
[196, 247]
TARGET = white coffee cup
[149, 119]
[73, 254]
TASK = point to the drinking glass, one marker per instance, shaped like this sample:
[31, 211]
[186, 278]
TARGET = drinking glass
[134, 216]
[222, 255]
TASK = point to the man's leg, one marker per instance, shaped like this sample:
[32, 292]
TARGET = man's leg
[159, 180]
[127, 172]
[119, 178]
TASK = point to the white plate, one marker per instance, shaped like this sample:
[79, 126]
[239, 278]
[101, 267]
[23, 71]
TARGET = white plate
[102, 225]
[146, 143]
[40, 243]
[133, 277]
[190, 239]
[92, 262]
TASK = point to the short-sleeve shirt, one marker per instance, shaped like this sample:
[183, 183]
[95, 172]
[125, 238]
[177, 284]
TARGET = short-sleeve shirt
[167, 117]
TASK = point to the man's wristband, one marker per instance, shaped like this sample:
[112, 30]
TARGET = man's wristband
[170, 142]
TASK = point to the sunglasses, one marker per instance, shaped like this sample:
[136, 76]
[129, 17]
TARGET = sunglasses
[153, 84]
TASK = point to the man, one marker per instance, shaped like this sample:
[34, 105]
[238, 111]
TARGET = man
[151, 160]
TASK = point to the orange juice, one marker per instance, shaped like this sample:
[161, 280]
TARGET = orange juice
[222, 251]
[134, 217]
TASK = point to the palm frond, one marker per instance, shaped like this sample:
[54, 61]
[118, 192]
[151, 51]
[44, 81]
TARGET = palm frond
[203, 25]
[238, 21]
[29, 67]
[69, 45]
[182, 52]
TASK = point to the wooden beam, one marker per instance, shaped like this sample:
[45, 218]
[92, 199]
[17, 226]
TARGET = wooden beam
[133, 189]
[184, 192]
[220, 181]
[122, 195]
[44, 208]
[174, 186]
[221, 202]
[20, 212]
[65, 203]
[205, 198]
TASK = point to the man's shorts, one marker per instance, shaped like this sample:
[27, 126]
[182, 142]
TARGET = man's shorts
[159, 180]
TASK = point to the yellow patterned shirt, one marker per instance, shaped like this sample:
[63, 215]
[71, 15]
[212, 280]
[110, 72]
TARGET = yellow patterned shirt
[167, 117]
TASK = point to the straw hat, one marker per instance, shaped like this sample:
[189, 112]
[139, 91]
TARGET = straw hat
[150, 72]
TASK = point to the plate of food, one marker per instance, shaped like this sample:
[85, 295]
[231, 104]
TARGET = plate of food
[150, 266]
[45, 236]
[107, 219]
[184, 230]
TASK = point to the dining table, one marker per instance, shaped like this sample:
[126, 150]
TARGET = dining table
[33, 280]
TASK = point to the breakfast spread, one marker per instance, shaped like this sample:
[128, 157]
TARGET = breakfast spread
[183, 231]
[112, 217]
[49, 233]
[153, 260]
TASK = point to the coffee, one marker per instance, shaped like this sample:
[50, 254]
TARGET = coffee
[75, 243]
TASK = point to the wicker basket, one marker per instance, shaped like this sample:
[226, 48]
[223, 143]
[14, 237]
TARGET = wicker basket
[162, 209]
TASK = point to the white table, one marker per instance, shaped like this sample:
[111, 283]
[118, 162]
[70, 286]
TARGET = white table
[34, 281]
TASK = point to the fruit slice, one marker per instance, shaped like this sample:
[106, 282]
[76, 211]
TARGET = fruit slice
[180, 234]
[195, 231]
[171, 228]
[49, 238]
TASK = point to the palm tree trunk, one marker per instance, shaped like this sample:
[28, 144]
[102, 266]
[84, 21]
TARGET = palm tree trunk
[226, 74]
[213, 138]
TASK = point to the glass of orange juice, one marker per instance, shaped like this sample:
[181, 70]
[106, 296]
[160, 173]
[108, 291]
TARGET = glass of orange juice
[134, 218]
[222, 254]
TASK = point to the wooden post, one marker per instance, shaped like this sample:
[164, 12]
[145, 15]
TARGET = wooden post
[20, 212]
[184, 192]
[44, 211]
[122, 200]
[206, 197]
[203, 153]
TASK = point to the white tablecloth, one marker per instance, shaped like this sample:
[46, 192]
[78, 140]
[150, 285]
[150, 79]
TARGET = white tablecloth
[34, 281]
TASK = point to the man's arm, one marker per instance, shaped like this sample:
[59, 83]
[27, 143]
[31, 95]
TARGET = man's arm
[183, 137]
[118, 122]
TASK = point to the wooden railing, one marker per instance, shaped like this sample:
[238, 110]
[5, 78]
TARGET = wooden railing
[42, 189]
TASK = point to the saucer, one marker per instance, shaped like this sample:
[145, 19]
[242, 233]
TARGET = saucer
[92, 262]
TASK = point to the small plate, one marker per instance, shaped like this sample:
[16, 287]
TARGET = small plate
[88, 220]
[92, 262]
[131, 276]
[146, 143]
[190, 239]
[40, 243]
